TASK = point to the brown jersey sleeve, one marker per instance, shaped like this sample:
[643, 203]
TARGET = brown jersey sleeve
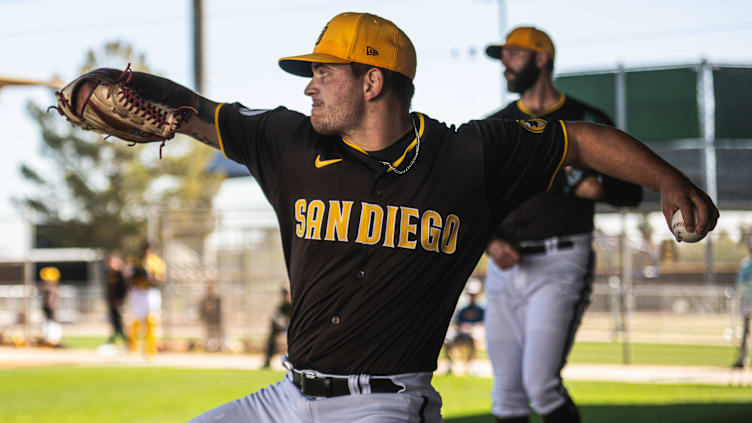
[259, 139]
[520, 159]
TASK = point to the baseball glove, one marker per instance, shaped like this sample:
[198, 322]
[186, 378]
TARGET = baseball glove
[102, 101]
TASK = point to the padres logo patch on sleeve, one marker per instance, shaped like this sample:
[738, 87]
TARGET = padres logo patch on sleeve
[535, 126]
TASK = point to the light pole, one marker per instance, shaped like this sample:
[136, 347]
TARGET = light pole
[56, 83]
[502, 34]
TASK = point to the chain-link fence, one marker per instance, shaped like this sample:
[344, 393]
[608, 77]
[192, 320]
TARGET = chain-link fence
[237, 254]
[647, 288]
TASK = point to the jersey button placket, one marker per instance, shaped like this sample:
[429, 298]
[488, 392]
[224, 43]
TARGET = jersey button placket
[377, 186]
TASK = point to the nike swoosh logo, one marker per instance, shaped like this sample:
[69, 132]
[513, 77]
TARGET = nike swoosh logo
[321, 163]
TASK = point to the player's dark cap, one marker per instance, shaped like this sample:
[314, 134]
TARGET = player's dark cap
[526, 37]
[361, 38]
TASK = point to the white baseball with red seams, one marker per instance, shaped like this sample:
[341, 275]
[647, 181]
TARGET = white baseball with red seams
[677, 227]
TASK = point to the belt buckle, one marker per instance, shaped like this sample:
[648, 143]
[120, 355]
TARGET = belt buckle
[306, 380]
[308, 374]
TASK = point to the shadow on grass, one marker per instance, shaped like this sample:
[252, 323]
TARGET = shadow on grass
[678, 413]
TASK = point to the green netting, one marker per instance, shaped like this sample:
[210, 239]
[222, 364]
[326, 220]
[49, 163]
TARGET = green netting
[662, 104]
[733, 91]
[596, 90]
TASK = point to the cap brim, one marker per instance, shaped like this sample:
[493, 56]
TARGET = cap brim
[301, 65]
[494, 51]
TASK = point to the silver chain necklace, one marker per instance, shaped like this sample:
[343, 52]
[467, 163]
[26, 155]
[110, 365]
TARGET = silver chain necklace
[415, 156]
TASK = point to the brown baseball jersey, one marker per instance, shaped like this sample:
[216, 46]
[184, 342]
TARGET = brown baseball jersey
[558, 212]
[377, 259]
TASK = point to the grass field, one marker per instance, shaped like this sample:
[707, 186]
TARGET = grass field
[664, 354]
[119, 394]
[583, 352]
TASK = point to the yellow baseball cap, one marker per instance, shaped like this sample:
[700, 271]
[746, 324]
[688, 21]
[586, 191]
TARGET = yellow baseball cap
[526, 37]
[358, 37]
[49, 274]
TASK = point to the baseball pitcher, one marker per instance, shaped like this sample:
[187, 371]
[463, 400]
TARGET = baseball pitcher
[383, 212]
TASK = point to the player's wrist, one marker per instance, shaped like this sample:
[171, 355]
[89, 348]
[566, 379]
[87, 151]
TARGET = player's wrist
[672, 179]
[167, 92]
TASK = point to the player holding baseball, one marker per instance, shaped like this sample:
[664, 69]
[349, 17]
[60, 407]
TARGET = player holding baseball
[383, 214]
[539, 278]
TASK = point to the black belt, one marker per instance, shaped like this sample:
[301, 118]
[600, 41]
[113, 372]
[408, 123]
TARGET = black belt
[317, 386]
[541, 248]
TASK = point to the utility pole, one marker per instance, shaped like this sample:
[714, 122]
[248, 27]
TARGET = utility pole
[198, 46]
[502, 34]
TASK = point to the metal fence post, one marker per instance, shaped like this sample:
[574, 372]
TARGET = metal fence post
[28, 275]
[621, 98]
[706, 117]
[626, 291]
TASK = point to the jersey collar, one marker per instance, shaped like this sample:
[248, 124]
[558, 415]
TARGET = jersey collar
[543, 112]
[399, 145]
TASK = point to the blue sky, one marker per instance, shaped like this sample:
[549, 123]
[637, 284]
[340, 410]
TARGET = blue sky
[455, 82]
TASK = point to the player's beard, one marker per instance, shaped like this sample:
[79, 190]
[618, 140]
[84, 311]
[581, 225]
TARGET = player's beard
[340, 118]
[524, 78]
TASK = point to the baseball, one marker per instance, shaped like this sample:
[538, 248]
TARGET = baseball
[677, 227]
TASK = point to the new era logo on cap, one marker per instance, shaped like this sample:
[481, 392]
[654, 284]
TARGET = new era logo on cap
[370, 51]
[318, 40]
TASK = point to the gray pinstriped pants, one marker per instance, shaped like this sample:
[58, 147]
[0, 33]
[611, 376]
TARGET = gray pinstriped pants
[284, 403]
[533, 311]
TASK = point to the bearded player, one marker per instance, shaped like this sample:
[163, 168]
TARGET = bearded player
[383, 214]
[539, 280]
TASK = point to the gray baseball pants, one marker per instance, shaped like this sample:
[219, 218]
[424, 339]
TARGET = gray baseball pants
[533, 311]
[283, 402]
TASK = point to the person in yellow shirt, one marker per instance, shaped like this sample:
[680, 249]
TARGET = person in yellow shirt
[145, 275]
[52, 332]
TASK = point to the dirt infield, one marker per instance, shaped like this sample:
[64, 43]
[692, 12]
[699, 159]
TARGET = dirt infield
[32, 357]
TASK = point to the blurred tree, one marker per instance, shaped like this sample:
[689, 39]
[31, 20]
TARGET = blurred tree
[97, 193]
